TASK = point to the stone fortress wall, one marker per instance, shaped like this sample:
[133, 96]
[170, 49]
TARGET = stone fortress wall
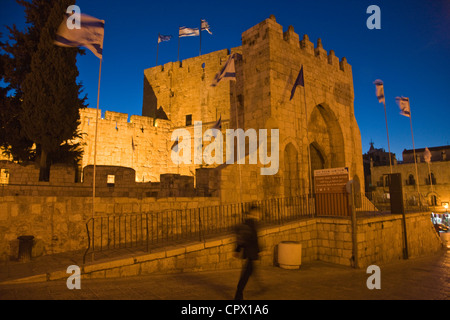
[136, 142]
[317, 127]
[323, 132]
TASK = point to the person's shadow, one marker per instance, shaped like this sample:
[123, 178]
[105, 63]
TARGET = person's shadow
[204, 282]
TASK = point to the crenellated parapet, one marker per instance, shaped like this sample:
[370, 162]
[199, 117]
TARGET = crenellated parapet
[138, 142]
[269, 30]
[321, 54]
[119, 120]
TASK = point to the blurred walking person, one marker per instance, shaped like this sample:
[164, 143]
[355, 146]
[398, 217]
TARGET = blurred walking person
[248, 247]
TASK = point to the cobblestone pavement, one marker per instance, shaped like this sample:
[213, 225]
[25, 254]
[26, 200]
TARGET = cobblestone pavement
[426, 278]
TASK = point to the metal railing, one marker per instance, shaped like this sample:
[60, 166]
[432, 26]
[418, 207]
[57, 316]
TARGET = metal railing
[411, 201]
[150, 229]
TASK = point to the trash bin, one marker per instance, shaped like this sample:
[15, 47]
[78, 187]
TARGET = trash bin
[25, 246]
[290, 254]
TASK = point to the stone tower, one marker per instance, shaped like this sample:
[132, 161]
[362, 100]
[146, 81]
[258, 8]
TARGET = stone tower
[317, 127]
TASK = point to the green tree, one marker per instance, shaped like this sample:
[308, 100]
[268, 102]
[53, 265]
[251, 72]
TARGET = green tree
[16, 65]
[46, 103]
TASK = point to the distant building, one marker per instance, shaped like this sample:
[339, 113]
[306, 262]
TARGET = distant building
[375, 157]
[437, 154]
[432, 180]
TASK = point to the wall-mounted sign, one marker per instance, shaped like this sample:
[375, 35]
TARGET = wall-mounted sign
[110, 179]
[331, 195]
[331, 180]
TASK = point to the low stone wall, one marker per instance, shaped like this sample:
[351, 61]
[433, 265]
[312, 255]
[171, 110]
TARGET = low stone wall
[325, 239]
[334, 240]
[65, 181]
[28, 173]
[381, 240]
[213, 254]
[58, 223]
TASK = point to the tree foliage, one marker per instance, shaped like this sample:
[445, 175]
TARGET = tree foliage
[44, 107]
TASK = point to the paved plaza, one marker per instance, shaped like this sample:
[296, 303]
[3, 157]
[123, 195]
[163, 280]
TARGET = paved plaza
[426, 278]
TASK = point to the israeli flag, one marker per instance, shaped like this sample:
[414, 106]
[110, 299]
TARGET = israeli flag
[403, 103]
[162, 38]
[188, 32]
[90, 35]
[228, 72]
[379, 90]
[205, 26]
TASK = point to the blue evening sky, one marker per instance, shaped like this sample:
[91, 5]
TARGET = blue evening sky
[410, 53]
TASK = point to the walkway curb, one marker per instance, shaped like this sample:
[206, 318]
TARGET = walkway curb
[130, 265]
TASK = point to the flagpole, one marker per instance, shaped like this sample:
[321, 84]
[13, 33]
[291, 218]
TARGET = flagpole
[95, 139]
[238, 148]
[157, 50]
[200, 31]
[429, 176]
[387, 132]
[415, 160]
[178, 44]
[308, 146]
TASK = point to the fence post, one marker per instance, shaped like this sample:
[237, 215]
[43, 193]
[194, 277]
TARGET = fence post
[89, 240]
[93, 239]
[146, 222]
[199, 226]
[351, 202]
